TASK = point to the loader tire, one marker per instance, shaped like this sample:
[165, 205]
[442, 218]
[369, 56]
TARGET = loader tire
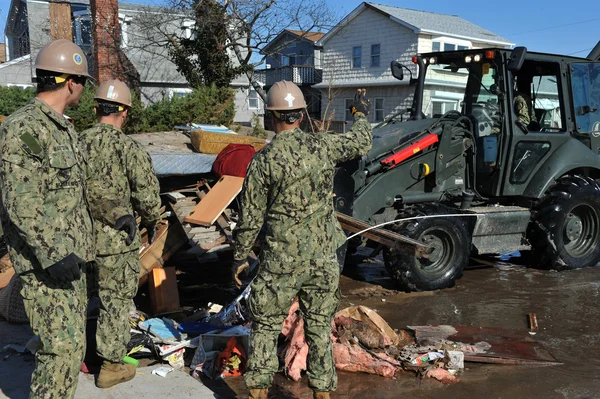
[565, 229]
[451, 247]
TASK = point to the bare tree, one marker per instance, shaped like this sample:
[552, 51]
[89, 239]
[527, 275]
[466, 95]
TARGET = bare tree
[250, 26]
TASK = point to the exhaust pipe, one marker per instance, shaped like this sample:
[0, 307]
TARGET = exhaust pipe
[594, 55]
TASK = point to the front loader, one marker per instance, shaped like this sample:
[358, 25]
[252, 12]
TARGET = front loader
[510, 183]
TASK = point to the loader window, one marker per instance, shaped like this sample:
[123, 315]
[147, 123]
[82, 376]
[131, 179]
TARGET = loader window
[485, 106]
[585, 83]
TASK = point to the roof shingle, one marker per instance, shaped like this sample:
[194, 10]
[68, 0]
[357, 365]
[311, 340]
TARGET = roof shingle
[453, 25]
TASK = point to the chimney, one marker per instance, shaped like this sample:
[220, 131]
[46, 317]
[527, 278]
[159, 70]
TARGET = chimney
[109, 60]
[106, 34]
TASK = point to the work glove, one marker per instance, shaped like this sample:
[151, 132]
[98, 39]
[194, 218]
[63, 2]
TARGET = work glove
[361, 103]
[67, 269]
[127, 223]
[151, 230]
[239, 267]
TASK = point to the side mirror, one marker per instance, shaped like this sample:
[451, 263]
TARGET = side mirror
[397, 70]
[515, 62]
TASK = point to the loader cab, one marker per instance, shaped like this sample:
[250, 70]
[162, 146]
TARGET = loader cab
[523, 107]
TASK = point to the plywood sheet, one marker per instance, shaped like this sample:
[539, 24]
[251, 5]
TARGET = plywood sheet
[214, 203]
[162, 290]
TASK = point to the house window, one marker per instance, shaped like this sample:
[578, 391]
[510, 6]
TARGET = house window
[438, 45]
[253, 99]
[82, 28]
[440, 107]
[379, 110]
[348, 114]
[449, 47]
[178, 93]
[285, 60]
[375, 54]
[292, 58]
[356, 56]
[124, 22]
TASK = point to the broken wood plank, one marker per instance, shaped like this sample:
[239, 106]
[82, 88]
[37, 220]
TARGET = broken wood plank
[168, 239]
[174, 196]
[383, 236]
[488, 344]
[222, 221]
[200, 230]
[215, 202]
[162, 290]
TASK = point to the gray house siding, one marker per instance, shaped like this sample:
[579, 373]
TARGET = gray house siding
[144, 47]
[341, 78]
[298, 52]
[16, 72]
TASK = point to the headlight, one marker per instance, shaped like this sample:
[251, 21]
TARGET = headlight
[432, 60]
[477, 57]
[468, 59]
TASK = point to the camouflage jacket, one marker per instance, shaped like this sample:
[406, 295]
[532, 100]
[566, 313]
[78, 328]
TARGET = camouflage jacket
[120, 179]
[289, 189]
[45, 215]
[524, 108]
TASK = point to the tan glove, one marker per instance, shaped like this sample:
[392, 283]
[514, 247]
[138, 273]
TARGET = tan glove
[239, 267]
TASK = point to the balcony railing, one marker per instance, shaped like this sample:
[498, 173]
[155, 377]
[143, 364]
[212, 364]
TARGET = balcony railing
[299, 74]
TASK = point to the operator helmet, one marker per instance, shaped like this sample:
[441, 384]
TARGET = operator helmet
[64, 58]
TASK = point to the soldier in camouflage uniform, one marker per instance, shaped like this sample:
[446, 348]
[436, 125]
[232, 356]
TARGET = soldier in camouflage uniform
[120, 180]
[289, 189]
[45, 217]
[523, 104]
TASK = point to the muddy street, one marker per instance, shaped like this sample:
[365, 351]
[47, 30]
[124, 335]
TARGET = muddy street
[499, 296]
[566, 305]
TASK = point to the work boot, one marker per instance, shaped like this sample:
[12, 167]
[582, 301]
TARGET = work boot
[114, 373]
[258, 393]
[320, 395]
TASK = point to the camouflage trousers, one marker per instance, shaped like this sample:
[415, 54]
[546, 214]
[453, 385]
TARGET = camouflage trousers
[117, 283]
[316, 283]
[56, 314]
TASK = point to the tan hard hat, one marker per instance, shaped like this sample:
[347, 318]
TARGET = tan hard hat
[62, 56]
[114, 91]
[285, 95]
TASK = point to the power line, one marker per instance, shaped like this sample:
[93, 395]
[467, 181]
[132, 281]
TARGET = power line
[580, 51]
[553, 27]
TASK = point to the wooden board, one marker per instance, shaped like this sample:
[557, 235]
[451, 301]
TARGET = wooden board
[60, 17]
[162, 290]
[168, 239]
[214, 203]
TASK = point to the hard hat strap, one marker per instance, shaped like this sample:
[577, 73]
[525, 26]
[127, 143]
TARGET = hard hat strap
[106, 108]
[287, 117]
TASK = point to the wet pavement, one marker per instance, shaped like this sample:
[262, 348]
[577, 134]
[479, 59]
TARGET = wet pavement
[566, 305]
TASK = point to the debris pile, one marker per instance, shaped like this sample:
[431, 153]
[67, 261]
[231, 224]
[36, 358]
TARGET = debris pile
[185, 273]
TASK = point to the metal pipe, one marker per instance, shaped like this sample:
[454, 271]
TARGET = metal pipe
[418, 97]
[414, 198]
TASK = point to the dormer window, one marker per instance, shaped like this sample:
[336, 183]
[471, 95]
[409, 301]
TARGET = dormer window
[124, 23]
[187, 28]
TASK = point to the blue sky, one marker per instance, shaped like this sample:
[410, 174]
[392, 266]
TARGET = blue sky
[546, 26]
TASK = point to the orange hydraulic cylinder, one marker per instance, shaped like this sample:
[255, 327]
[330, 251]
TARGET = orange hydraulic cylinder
[405, 153]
